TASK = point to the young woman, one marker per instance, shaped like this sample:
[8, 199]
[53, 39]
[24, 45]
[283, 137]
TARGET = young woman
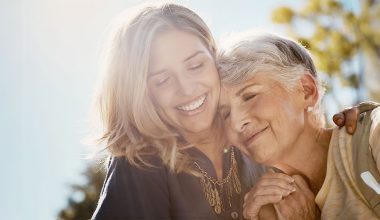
[159, 100]
[272, 111]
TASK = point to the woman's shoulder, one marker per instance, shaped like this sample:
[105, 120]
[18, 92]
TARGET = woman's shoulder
[374, 135]
[375, 118]
[128, 189]
[151, 166]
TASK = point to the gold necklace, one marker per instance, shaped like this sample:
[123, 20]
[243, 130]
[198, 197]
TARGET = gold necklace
[216, 191]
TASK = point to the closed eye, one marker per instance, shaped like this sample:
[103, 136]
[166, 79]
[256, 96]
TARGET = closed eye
[248, 97]
[162, 81]
[197, 66]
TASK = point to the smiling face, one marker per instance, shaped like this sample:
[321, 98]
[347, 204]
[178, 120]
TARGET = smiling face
[262, 118]
[183, 81]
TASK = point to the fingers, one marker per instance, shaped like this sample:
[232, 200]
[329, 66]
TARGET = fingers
[301, 182]
[347, 118]
[252, 208]
[351, 115]
[287, 206]
[282, 183]
[274, 190]
[300, 204]
[266, 191]
[303, 187]
[273, 175]
[271, 188]
[339, 119]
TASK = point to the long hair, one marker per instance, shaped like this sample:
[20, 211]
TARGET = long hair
[131, 124]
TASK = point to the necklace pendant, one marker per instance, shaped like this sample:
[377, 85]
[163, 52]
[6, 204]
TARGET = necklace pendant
[219, 193]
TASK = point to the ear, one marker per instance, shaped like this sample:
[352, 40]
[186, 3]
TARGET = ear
[310, 90]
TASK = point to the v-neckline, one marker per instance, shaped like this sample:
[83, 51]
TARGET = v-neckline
[205, 163]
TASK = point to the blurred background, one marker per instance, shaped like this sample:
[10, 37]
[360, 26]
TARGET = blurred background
[49, 61]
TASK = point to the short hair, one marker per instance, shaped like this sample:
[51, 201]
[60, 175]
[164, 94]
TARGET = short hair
[246, 54]
[132, 125]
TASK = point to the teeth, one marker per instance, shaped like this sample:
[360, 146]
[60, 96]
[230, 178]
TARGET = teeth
[193, 105]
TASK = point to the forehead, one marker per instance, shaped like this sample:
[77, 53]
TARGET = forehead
[174, 45]
[232, 91]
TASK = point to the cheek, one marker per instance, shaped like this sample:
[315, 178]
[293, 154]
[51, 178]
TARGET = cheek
[288, 123]
[161, 99]
[212, 77]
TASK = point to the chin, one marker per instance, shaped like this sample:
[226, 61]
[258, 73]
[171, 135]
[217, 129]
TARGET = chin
[199, 127]
[259, 156]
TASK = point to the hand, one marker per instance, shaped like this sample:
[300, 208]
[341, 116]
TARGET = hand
[349, 116]
[270, 189]
[299, 204]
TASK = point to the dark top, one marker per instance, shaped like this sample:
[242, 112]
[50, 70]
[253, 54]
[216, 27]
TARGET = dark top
[136, 193]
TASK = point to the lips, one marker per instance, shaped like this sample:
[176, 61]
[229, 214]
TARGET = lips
[193, 105]
[248, 139]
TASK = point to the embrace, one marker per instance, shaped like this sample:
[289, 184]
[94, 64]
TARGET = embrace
[198, 131]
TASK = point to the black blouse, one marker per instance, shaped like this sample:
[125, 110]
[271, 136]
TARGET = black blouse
[136, 193]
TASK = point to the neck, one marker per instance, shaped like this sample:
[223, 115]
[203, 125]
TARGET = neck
[210, 142]
[308, 157]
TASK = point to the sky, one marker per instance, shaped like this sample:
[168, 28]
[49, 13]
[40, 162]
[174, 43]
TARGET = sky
[49, 61]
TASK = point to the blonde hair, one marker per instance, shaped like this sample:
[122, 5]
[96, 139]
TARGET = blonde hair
[246, 54]
[131, 124]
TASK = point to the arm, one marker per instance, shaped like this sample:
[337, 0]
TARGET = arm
[130, 192]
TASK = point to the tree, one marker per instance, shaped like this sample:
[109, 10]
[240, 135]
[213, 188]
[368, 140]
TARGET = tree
[344, 39]
[83, 199]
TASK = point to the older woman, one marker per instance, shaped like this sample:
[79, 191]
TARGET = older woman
[272, 111]
[158, 102]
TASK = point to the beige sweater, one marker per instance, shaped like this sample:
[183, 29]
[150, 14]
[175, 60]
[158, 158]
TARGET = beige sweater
[340, 197]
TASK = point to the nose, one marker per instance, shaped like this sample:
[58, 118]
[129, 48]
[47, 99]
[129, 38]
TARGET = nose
[239, 119]
[186, 86]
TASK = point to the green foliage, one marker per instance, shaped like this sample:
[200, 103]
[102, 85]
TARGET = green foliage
[283, 15]
[339, 34]
[83, 200]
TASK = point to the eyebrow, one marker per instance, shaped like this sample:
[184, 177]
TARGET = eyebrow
[188, 58]
[156, 73]
[244, 88]
[193, 55]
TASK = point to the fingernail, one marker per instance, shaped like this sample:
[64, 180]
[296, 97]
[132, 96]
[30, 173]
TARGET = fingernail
[350, 129]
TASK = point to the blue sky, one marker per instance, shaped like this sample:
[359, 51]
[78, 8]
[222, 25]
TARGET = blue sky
[49, 59]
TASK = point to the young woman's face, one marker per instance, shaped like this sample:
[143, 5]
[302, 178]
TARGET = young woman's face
[183, 81]
[262, 118]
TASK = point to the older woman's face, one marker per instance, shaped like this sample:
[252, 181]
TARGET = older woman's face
[262, 118]
[183, 81]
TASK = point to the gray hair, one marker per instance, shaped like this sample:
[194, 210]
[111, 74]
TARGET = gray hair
[285, 60]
